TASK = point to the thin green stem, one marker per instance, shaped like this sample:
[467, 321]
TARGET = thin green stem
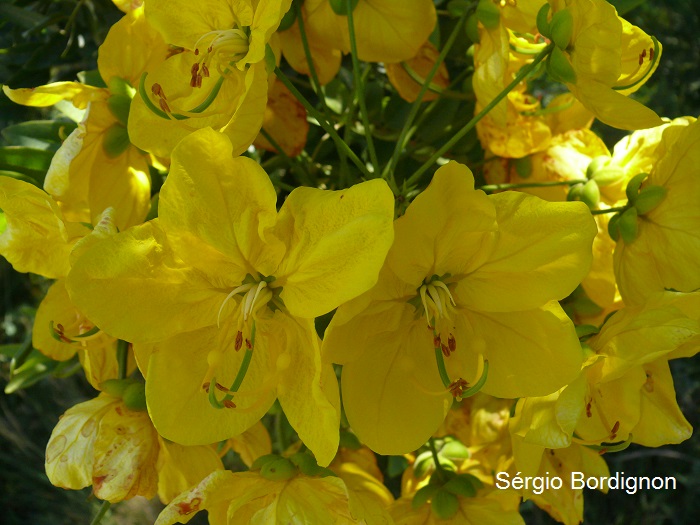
[608, 210]
[522, 75]
[101, 513]
[360, 88]
[122, 357]
[507, 186]
[442, 370]
[274, 143]
[403, 138]
[436, 458]
[340, 143]
[315, 82]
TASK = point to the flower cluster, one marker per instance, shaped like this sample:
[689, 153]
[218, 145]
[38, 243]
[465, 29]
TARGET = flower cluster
[243, 230]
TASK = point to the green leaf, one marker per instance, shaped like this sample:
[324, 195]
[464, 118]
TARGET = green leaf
[39, 134]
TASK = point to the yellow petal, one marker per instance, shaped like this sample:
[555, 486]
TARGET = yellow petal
[308, 389]
[125, 451]
[530, 353]
[336, 244]
[131, 47]
[50, 94]
[252, 443]
[179, 405]
[285, 121]
[408, 85]
[35, 238]
[218, 210]
[326, 60]
[57, 309]
[69, 453]
[133, 287]
[542, 252]
[180, 468]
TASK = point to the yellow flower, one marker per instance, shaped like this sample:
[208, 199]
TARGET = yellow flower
[249, 497]
[36, 238]
[604, 59]
[103, 443]
[228, 289]
[217, 78]
[97, 166]
[408, 76]
[659, 246]
[285, 121]
[469, 287]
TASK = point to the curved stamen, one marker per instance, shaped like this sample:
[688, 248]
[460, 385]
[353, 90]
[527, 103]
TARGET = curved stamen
[653, 59]
[240, 289]
[58, 332]
[227, 402]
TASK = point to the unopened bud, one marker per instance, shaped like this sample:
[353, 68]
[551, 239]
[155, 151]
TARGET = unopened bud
[543, 24]
[614, 228]
[649, 198]
[457, 8]
[633, 186]
[590, 194]
[575, 192]
[471, 28]
[115, 387]
[340, 6]
[455, 450]
[423, 462]
[115, 140]
[562, 28]
[280, 469]
[262, 460]
[119, 106]
[445, 504]
[488, 14]
[135, 396]
[523, 167]
[559, 67]
[628, 225]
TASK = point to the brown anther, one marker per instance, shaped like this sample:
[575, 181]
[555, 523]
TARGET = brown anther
[194, 69]
[59, 329]
[615, 428]
[651, 53]
[157, 90]
[164, 105]
[205, 70]
[209, 49]
[229, 404]
[221, 387]
[248, 344]
[205, 387]
[458, 387]
[641, 58]
[445, 350]
[452, 343]
[196, 51]
[436, 341]
[588, 410]
[193, 81]
[602, 451]
[239, 341]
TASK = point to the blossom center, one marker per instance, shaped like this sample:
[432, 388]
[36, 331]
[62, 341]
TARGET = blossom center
[224, 47]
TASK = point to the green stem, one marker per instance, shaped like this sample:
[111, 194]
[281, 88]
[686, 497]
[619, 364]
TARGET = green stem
[403, 138]
[496, 187]
[444, 376]
[522, 75]
[274, 143]
[101, 513]
[609, 210]
[315, 82]
[436, 458]
[340, 143]
[360, 88]
[122, 357]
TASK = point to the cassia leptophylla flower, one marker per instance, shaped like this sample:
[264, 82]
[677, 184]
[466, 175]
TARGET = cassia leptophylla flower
[111, 444]
[601, 58]
[470, 278]
[36, 237]
[218, 78]
[228, 289]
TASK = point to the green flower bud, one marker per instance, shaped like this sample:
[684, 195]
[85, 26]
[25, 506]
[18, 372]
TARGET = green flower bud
[280, 469]
[119, 106]
[340, 6]
[424, 494]
[135, 396]
[628, 225]
[559, 67]
[649, 198]
[488, 14]
[445, 504]
[603, 171]
[633, 185]
[590, 194]
[288, 19]
[614, 228]
[562, 28]
[115, 387]
[461, 486]
[423, 462]
[455, 450]
[471, 28]
[115, 140]
[523, 167]
[596, 164]
[120, 86]
[262, 460]
[575, 192]
[543, 24]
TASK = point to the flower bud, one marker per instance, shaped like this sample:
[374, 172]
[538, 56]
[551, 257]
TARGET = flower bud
[628, 225]
[135, 396]
[262, 460]
[604, 172]
[115, 140]
[590, 194]
[559, 67]
[457, 8]
[455, 450]
[562, 28]
[445, 504]
[423, 462]
[543, 24]
[119, 107]
[280, 469]
[575, 192]
[488, 14]
[471, 28]
[340, 6]
[115, 387]
[614, 228]
[633, 185]
[523, 167]
[649, 198]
